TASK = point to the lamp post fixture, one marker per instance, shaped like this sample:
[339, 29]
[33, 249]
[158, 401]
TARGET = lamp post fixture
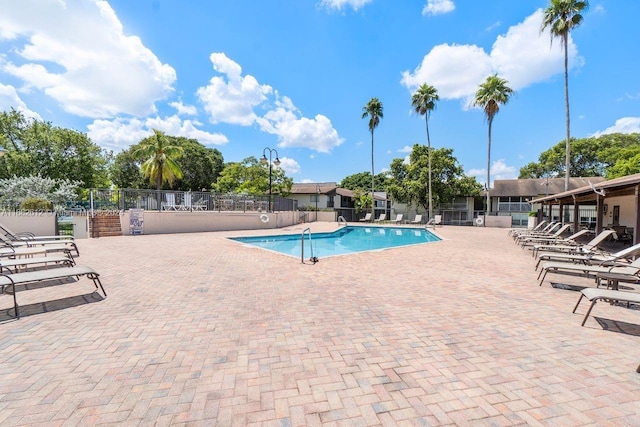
[317, 197]
[264, 160]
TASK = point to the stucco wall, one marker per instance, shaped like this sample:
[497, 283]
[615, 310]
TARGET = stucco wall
[193, 222]
[627, 211]
[41, 224]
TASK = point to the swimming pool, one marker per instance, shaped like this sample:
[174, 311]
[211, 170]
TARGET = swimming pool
[346, 240]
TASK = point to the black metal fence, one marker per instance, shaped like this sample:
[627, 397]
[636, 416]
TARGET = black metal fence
[163, 200]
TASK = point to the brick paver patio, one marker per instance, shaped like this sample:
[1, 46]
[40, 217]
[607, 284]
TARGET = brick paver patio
[199, 330]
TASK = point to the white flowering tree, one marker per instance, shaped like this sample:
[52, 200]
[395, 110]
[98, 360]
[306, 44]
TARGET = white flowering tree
[14, 191]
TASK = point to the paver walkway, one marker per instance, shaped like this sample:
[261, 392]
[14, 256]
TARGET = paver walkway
[199, 330]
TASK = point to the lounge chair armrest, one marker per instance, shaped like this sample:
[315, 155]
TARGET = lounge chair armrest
[25, 235]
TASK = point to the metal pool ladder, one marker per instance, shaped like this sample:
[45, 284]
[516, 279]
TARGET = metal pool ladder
[313, 258]
[342, 220]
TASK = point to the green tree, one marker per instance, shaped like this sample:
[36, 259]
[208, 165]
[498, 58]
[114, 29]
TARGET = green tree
[607, 155]
[562, 16]
[408, 181]
[373, 110]
[160, 165]
[251, 177]
[490, 95]
[362, 180]
[200, 165]
[34, 147]
[125, 172]
[423, 102]
[361, 200]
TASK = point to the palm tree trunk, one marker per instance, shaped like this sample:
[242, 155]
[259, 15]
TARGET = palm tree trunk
[489, 166]
[373, 178]
[429, 148]
[566, 102]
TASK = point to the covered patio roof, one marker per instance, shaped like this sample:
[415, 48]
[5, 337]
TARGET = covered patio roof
[596, 194]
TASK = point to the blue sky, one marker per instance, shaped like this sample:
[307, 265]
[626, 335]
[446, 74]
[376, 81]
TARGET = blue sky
[294, 75]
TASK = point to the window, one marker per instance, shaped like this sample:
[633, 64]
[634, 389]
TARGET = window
[315, 198]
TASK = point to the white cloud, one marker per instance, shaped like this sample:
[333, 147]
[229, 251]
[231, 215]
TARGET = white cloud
[499, 170]
[120, 133]
[231, 98]
[293, 131]
[340, 4]
[438, 7]
[623, 125]
[101, 73]
[405, 149]
[493, 26]
[307, 181]
[9, 99]
[523, 56]
[289, 165]
[184, 110]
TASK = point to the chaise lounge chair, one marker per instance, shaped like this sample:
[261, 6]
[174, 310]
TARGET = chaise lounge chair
[596, 294]
[593, 258]
[569, 240]
[588, 270]
[381, 218]
[398, 219]
[532, 239]
[417, 219]
[549, 229]
[588, 247]
[12, 265]
[28, 236]
[435, 221]
[7, 246]
[538, 227]
[36, 276]
[366, 218]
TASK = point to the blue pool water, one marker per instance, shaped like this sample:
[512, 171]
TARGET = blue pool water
[346, 240]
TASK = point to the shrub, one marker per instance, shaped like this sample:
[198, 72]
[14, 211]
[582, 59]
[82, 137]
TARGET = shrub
[35, 204]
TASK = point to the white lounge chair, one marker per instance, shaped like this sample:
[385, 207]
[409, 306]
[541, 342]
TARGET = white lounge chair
[366, 218]
[170, 203]
[398, 219]
[435, 221]
[381, 218]
[417, 219]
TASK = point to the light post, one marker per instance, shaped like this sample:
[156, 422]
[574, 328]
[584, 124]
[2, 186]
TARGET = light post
[276, 162]
[317, 197]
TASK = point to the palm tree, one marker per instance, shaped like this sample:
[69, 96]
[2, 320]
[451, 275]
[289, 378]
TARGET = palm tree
[159, 165]
[561, 17]
[490, 95]
[423, 102]
[373, 110]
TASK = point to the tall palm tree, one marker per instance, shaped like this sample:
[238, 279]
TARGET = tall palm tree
[423, 102]
[490, 95]
[561, 17]
[160, 165]
[373, 110]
